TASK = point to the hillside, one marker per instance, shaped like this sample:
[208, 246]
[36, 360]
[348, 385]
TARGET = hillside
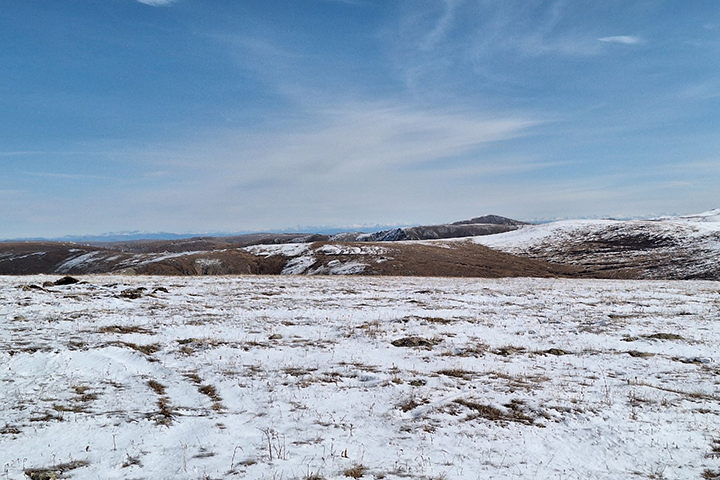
[666, 248]
[674, 247]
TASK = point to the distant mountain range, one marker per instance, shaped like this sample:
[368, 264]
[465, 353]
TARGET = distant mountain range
[489, 246]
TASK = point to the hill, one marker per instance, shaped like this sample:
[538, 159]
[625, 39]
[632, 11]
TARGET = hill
[666, 248]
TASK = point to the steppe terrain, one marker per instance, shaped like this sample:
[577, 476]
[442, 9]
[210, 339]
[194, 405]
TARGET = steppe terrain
[674, 248]
[277, 377]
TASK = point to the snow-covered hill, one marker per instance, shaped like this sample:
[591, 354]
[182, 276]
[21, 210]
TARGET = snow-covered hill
[673, 247]
[685, 247]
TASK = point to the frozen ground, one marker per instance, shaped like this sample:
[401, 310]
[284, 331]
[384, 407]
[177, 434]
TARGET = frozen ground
[346, 377]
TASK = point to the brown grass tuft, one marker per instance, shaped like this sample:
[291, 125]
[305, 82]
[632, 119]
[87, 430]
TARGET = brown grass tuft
[356, 471]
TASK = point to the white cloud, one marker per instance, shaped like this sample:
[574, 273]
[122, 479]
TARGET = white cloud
[345, 162]
[157, 3]
[624, 39]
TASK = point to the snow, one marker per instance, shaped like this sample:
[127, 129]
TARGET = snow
[13, 257]
[533, 234]
[286, 249]
[709, 220]
[303, 256]
[208, 262]
[687, 247]
[690, 227]
[79, 261]
[298, 265]
[337, 267]
[286, 377]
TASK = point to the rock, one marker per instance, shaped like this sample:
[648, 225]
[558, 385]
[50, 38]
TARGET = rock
[66, 280]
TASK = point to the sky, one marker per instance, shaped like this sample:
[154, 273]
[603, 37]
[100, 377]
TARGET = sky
[254, 115]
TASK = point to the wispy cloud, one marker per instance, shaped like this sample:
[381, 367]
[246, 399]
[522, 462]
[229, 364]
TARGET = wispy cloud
[443, 25]
[701, 91]
[347, 162]
[623, 39]
[67, 176]
[26, 153]
[363, 137]
[157, 3]
[356, 3]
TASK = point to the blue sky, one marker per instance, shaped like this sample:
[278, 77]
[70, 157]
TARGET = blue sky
[208, 115]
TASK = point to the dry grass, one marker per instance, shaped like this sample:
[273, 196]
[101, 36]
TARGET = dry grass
[75, 408]
[298, 371]
[431, 320]
[416, 342]
[124, 329]
[83, 394]
[457, 373]
[130, 461]
[9, 430]
[313, 476]
[556, 352]
[156, 387]
[509, 350]
[514, 414]
[411, 403]
[356, 471]
[55, 472]
[165, 414]
[714, 449]
[145, 349]
[639, 354]
[526, 382]
[664, 336]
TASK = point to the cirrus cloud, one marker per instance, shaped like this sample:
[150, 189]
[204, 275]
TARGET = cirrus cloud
[623, 39]
[157, 3]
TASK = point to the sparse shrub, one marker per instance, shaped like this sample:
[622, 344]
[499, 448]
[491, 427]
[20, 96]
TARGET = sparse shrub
[356, 471]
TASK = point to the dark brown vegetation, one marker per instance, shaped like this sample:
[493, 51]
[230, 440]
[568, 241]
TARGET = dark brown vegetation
[457, 259]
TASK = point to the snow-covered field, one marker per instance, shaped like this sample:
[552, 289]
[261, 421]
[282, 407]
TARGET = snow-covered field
[347, 377]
